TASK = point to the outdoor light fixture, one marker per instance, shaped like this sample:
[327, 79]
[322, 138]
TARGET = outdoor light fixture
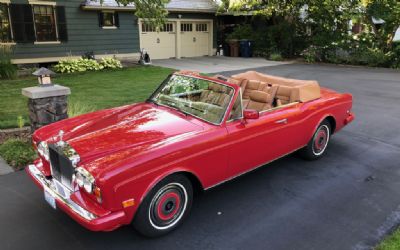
[44, 76]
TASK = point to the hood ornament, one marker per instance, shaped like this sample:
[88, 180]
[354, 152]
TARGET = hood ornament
[61, 143]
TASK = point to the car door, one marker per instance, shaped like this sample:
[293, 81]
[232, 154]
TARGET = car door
[254, 142]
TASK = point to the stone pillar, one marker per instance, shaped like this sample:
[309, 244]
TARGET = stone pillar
[46, 104]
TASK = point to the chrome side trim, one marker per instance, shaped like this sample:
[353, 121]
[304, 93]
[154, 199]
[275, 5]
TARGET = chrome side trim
[259, 166]
[51, 187]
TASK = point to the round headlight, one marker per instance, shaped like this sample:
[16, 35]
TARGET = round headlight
[79, 179]
[88, 186]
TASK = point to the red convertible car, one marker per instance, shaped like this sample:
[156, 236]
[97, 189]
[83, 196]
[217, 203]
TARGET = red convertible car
[140, 164]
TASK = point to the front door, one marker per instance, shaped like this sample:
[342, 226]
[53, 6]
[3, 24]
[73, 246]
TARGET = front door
[256, 142]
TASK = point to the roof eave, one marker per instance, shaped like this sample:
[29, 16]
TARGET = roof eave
[128, 8]
[119, 8]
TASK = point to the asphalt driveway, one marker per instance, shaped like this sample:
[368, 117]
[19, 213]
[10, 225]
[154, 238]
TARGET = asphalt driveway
[347, 200]
[214, 64]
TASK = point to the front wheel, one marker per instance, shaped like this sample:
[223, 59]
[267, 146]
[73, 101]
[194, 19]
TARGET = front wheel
[165, 207]
[316, 147]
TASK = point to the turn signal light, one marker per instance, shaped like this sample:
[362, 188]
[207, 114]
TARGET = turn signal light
[97, 194]
[128, 203]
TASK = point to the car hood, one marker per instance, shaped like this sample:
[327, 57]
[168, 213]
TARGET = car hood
[106, 137]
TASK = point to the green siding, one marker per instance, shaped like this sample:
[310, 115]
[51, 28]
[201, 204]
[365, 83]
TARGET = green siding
[84, 34]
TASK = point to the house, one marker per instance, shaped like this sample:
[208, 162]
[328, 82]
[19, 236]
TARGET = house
[46, 31]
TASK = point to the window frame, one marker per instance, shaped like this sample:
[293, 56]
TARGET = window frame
[114, 19]
[11, 41]
[57, 40]
[186, 27]
[240, 99]
[202, 27]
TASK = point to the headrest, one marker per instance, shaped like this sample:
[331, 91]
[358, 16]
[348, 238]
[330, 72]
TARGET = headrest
[234, 81]
[216, 88]
[253, 84]
[259, 96]
[284, 90]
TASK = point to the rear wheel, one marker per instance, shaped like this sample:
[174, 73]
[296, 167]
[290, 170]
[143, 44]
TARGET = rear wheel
[316, 147]
[165, 207]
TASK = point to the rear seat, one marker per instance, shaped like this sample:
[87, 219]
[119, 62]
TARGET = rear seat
[289, 90]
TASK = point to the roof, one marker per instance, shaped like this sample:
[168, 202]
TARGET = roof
[207, 6]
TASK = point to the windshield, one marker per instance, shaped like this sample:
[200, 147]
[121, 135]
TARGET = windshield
[198, 97]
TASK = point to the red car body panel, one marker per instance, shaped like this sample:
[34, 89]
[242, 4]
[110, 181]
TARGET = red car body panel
[130, 149]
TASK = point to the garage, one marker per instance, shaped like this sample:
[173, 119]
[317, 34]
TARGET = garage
[177, 38]
[159, 44]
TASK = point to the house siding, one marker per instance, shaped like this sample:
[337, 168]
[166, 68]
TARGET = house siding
[85, 35]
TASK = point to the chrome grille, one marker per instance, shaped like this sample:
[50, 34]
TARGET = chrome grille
[61, 166]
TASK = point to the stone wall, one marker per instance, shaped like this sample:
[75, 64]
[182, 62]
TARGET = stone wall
[15, 133]
[44, 111]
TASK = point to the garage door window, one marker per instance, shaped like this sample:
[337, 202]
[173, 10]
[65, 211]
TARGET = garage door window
[186, 27]
[167, 27]
[202, 27]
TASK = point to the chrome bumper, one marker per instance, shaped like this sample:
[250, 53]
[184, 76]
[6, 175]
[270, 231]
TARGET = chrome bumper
[51, 187]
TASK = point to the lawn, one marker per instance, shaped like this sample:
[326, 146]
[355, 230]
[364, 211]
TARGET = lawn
[392, 242]
[94, 90]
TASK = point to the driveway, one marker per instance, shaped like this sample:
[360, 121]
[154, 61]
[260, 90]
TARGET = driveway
[215, 64]
[347, 200]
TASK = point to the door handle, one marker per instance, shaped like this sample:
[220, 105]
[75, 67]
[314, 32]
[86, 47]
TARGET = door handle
[283, 121]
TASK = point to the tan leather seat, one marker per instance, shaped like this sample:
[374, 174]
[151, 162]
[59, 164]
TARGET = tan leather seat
[262, 100]
[258, 101]
[300, 90]
[214, 95]
[284, 95]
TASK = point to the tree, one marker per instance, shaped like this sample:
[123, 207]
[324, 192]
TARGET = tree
[152, 11]
[389, 12]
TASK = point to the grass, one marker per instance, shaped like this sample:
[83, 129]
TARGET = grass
[96, 90]
[392, 242]
[17, 153]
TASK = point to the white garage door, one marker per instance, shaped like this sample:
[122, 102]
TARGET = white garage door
[159, 44]
[195, 39]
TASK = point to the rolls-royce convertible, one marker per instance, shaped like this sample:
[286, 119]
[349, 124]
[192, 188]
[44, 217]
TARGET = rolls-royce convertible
[141, 164]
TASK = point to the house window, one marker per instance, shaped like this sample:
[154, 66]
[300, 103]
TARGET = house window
[38, 23]
[186, 27]
[108, 19]
[5, 24]
[45, 23]
[202, 27]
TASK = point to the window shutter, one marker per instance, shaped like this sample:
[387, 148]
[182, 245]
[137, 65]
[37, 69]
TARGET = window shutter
[101, 19]
[116, 18]
[62, 24]
[22, 22]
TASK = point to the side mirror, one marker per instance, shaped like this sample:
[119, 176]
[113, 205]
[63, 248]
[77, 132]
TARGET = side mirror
[249, 114]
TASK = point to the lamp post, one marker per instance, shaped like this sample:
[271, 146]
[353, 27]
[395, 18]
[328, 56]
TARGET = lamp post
[47, 102]
[44, 77]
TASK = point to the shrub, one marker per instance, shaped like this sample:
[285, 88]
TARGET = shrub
[244, 31]
[276, 56]
[110, 63]
[78, 108]
[312, 54]
[83, 64]
[7, 69]
[17, 153]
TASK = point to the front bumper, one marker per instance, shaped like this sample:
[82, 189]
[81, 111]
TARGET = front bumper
[86, 218]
